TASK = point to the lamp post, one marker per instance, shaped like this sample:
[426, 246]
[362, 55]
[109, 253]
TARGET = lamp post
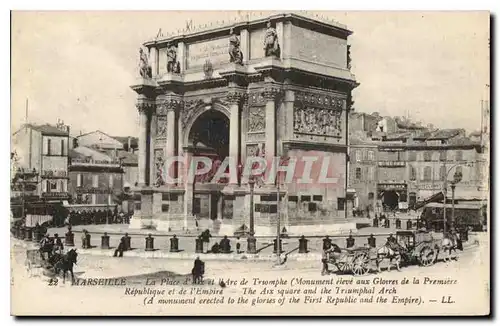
[457, 177]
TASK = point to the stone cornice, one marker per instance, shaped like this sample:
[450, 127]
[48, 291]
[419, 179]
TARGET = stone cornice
[145, 87]
[333, 102]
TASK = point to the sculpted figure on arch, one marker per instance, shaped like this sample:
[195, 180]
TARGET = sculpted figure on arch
[271, 45]
[235, 54]
[144, 67]
[173, 66]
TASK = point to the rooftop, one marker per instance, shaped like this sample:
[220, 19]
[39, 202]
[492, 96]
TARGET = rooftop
[47, 129]
[128, 158]
[134, 141]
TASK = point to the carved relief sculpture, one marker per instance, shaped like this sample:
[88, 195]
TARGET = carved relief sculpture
[317, 121]
[173, 66]
[159, 167]
[271, 45]
[144, 67]
[161, 131]
[208, 69]
[189, 110]
[257, 119]
[235, 54]
[257, 150]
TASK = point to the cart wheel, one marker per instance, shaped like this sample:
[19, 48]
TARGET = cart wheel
[427, 256]
[361, 264]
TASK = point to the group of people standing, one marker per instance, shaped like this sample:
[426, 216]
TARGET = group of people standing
[97, 217]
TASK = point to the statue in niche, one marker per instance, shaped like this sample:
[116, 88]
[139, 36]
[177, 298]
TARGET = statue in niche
[235, 54]
[173, 66]
[144, 67]
[271, 45]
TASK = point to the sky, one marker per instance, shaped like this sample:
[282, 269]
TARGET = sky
[78, 66]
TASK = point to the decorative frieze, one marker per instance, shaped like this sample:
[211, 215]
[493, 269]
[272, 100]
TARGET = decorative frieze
[318, 114]
[331, 102]
[317, 121]
[256, 119]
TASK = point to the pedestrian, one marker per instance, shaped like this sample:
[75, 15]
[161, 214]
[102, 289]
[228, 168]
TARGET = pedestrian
[327, 243]
[58, 245]
[121, 247]
[238, 245]
[324, 261]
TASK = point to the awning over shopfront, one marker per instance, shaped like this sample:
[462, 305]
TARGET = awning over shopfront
[431, 199]
[468, 194]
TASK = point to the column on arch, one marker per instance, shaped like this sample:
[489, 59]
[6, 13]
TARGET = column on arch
[235, 99]
[144, 106]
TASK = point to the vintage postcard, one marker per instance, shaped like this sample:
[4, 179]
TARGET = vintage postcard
[250, 163]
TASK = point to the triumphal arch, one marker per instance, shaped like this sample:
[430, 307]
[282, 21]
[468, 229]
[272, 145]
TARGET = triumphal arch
[276, 86]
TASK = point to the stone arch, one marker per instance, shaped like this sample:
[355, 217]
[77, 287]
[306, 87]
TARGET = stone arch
[199, 110]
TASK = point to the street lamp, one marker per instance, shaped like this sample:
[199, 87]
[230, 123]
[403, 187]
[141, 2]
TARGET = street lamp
[457, 177]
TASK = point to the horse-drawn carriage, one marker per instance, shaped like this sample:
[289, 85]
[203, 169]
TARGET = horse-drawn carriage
[34, 263]
[417, 247]
[37, 264]
[410, 247]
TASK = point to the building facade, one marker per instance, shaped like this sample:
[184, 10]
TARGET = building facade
[116, 147]
[289, 98]
[95, 178]
[44, 148]
[363, 176]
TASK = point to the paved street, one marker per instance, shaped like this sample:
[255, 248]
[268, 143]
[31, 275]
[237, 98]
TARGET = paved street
[472, 262]
[187, 243]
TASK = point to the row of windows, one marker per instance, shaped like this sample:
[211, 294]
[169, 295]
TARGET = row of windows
[50, 148]
[53, 186]
[399, 156]
[93, 199]
[95, 180]
[370, 174]
[427, 176]
[358, 156]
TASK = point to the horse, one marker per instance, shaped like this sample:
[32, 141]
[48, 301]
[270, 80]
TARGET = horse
[198, 271]
[392, 251]
[65, 264]
[451, 243]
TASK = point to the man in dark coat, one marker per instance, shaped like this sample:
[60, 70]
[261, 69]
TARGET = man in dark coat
[58, 245]
[198, 270]
[327, 243]
[121, 247]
